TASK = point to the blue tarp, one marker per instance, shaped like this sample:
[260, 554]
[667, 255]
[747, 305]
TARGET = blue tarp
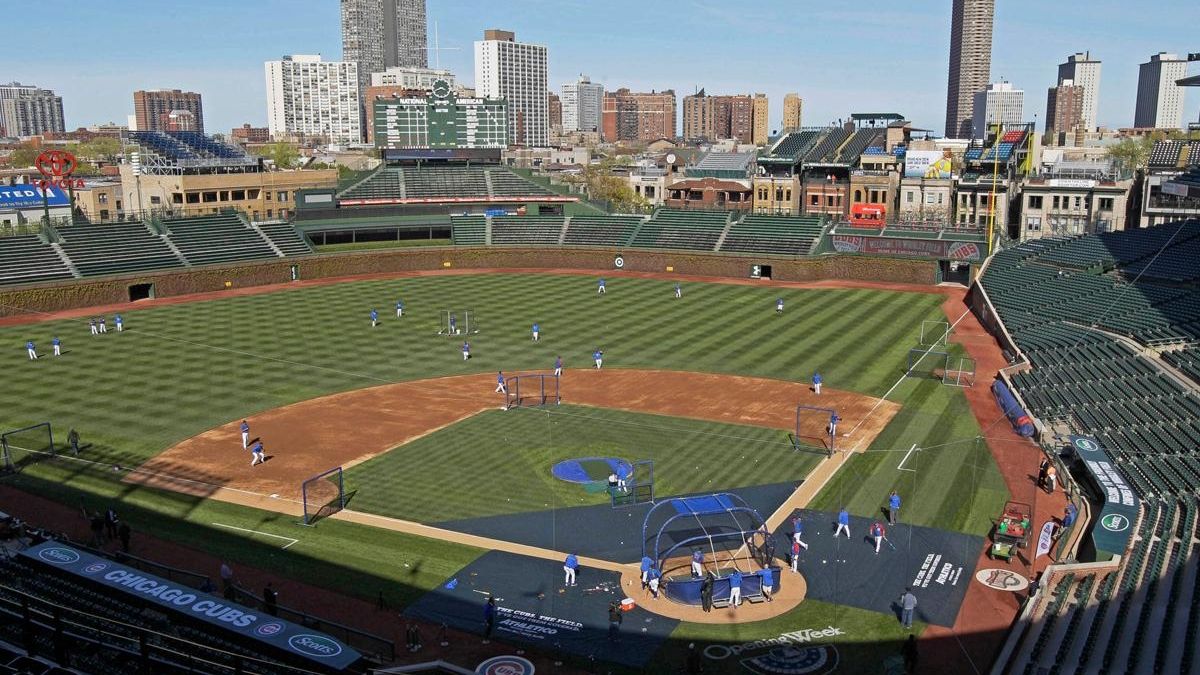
[1020, 420]
[702, 506]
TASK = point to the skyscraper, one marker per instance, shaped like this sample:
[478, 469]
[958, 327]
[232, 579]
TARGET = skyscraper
[715, 117]
[581, 103]
[630, 116]
[793, 110]
[516, 72]
[1000, 103]
[1065, 107]
[1159, 99]
[379, 34]
[310, 97]
[153, 109]
[1084, 72]
[970, 62]
[26, 110]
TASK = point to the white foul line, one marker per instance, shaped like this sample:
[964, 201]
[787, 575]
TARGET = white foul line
[900, 466]
[290, 540]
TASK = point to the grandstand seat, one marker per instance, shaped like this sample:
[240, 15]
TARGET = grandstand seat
[219, 238]
[601, 230]
[676, 229]
[116, 248]
[286, 238]
[27, 259]
[783, 235]
[468, 230]
[526, 229]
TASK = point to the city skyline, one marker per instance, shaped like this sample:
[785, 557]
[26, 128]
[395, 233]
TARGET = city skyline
[1030, 40]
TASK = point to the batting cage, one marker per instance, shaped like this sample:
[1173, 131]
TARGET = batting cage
[637, 487]
[26, 445]
[453, 322]
[531, 390]
[324, 495]
[816, 429]
[720, 529]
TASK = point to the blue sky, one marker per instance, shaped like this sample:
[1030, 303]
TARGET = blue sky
[869, 56]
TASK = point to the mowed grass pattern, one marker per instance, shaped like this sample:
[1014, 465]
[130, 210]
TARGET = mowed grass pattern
[181, 369]
[500, 461]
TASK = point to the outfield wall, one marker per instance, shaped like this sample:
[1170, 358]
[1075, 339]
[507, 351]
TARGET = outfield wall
[96, 291]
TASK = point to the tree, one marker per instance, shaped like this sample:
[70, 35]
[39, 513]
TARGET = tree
[604, 186]
[101, 148]
[1131, 154]
[283, 154]
[23, 156]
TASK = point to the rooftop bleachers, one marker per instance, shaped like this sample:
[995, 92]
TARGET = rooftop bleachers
[794, 143]
[670, 228]
[116, 248]
[220, 238]
[825, 149]
[286, 238]
[1013, 136]
[783, 235]
[1165, 153]
[162, 144]
[601, 230]
[468, 230]
[526, 229]
[26, 259]
[857, 145]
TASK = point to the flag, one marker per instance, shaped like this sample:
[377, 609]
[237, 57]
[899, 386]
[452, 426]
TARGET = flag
[1044, 539]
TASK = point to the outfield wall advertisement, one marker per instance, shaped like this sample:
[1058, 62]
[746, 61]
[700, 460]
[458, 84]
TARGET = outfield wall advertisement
[183, 600]
[926, 248]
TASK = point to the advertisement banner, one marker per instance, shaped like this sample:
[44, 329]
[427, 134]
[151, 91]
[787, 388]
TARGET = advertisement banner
[1045, 539]
[928, 164]
[1115, 523]
[30, 197]
[927, 248]
[179, 599]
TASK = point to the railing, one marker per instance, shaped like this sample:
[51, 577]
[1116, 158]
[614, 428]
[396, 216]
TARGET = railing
[369, 644]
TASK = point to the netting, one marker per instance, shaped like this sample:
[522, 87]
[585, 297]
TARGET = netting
[26, 445]
[323, 495]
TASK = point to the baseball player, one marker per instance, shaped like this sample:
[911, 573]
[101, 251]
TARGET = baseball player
[796, 546]
[399, 308]
[453, 325]
[500, 388]
[120, 322]
[57, 346]
[536, 329]
[735, 588]
[374, 318]
[622, 475]
[600, 288]
[797, 526]
[816, 380]
[878, 533]
[893, 507]
[31, 348]
[245, 434]
[843, 523]
[778, 306]
[569, 566]
[598, 357]
[92, 325]
[557, 366]
[833, 422]
[103, 326]
[257, 454]
[678, 291]
[697, 563]
[768, 581]
[466, 349]
[647, 564]
[655, 575]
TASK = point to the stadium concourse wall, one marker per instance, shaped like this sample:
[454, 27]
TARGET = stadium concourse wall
[80, 293]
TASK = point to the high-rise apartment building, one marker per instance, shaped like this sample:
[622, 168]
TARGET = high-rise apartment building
[630, 116]
[554, 110]
[581, 104]
[793, 111]
[380, 34]
[153, 109]
[716, 117]
[1000, 103]
[762, 120]
[515, 71]
[310, 97]
[26, 110]
[970, 62]
[1084, 72]
[1159, 99]
[1065, 108]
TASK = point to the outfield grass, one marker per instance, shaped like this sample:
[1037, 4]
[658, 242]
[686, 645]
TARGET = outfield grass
[503, 461]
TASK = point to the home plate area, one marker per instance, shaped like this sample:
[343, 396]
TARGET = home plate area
[533, 607]
[937, 564]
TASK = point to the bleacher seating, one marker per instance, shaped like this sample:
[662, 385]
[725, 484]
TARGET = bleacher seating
[116, 248]
[26, 259]
[825, 148]
[434, 181]
[795, 143]
[286, 238]
[783, 235]
[429, 181]
[1186, 361]
[857, 145]
[505, 183]
[601, 230]
[468, 230]
[384, 183]
[1165, 153]
[189, 145]
[670, 228]
[526, 229]
[219, 238]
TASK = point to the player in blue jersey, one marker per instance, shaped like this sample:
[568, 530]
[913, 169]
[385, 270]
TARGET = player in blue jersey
[466, 350]
[779, 305]
[32, 349]
[245, 434]
[598, 357]
[570, 565]
[57, 346]
[816, 382]
[678, 291]
[558, 366]
[399, 308]
[600, 289]
[843, 521]
[500, 388]
[536, 331]
[120, 322]
[374, 318]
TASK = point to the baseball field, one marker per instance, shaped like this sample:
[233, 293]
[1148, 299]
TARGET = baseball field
[705, 386]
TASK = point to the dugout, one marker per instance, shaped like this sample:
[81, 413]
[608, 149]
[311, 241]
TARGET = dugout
[721, 525]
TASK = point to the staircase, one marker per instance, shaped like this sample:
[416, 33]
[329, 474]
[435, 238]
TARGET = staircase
[562, 236]
[62, 255]
[729, 221]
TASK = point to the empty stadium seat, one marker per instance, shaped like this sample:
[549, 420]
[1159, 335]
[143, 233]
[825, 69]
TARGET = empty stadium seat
[675, 229]
[783, 235]
[27, 259]
[219, 238]
[116, 248]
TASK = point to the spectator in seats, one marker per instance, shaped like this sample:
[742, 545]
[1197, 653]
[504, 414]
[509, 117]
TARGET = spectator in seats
[1069, 515]
[270, 600]
[1051, 479]
[97, 524]
[111, 521]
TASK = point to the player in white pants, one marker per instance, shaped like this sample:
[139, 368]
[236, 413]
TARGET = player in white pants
[29, 347]
[500, 388]
[843, 523]
[466, 351]
[600, 288]
[558, 366]
[678, 291]
[598, 357]
[57, 346]
[536, 331]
